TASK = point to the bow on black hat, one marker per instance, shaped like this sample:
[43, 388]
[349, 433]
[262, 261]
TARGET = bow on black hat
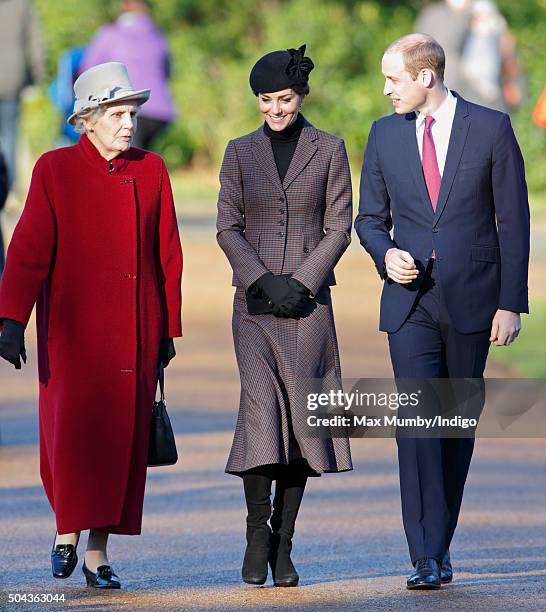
[299, 66]
[280, 70]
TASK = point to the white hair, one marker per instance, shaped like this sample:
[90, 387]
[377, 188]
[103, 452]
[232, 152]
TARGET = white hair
[92, 115]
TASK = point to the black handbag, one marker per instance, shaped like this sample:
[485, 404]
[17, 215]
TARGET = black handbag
[162, 446]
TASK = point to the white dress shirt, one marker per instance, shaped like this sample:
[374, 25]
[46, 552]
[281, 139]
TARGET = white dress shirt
[441, 129]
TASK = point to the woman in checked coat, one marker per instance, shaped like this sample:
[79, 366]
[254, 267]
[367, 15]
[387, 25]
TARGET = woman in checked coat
[97, 247]
[284, 220]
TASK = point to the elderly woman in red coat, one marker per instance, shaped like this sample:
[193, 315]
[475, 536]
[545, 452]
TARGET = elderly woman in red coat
[97, 247]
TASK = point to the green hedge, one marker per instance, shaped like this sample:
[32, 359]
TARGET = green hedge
[215, 42]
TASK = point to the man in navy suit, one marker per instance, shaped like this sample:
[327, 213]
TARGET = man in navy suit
[448, 177]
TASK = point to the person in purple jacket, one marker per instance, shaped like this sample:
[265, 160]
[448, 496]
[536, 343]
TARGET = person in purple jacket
[136, 41]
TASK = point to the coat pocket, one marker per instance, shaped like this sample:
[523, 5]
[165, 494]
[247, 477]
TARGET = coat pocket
[469, 165]
[490, 254]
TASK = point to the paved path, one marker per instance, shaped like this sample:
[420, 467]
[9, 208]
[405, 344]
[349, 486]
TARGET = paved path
[349, 547]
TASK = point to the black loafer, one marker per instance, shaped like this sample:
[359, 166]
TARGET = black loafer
[446, 571]
[104, 578]
[63, 559]
[426, 575]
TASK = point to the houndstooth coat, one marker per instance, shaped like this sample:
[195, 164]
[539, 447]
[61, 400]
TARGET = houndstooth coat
[301, 227]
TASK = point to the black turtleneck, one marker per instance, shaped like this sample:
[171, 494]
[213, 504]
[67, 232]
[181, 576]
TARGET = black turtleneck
[284, 144]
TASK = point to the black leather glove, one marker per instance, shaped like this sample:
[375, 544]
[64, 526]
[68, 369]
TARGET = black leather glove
[166, 351]
[297, 301]
[12, 343]
[274, 288]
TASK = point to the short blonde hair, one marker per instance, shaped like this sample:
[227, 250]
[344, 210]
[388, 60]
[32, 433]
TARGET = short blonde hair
[420, 51]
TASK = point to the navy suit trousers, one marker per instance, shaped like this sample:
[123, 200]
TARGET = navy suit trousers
[433, 471]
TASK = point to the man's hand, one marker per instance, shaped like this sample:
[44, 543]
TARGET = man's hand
[505, 327]
[400, 266]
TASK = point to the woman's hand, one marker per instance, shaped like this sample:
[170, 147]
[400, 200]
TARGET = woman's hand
[274, 288]
[12, 343]
[287, 296]
[297, 301]
[166, 351]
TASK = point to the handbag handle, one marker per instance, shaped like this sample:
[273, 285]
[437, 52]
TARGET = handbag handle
[161, 381]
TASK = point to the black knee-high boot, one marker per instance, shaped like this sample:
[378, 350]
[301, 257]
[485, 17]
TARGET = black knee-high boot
[288, 495]
[258, 501]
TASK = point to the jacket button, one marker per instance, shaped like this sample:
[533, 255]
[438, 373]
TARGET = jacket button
[305, 250]
[281, 210]
[281, 222]
[435, 230]
[281, 234]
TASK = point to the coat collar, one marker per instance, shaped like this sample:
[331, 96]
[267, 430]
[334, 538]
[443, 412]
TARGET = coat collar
[91, 153]
[457, 140]
[305, 150]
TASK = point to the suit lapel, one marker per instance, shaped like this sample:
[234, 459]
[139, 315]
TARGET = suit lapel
[457, 140]
[409, 137]
[305, 150]
[263, 154]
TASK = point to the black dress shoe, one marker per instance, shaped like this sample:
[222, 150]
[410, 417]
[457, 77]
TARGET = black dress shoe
[446, 571]
[284, 572]
[63, 559]
[426, 575]
[256, 555]
[104, 578]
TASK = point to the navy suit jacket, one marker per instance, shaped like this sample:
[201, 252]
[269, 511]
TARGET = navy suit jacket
[480, 230]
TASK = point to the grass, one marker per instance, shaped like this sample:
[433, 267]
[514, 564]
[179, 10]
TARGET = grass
[195, 190]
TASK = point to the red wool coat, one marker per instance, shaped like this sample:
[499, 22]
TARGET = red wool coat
[99, 251]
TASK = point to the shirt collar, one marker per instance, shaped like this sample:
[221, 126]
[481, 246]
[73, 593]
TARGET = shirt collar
[442, 113]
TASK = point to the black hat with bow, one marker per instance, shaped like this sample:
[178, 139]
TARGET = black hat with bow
[280, 70]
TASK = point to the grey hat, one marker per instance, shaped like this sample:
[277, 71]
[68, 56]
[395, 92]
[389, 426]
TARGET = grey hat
[103, 84]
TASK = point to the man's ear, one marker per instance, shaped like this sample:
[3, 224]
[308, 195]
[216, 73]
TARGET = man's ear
[427, 77]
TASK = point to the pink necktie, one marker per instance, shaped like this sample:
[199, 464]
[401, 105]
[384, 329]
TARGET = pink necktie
[430, 164]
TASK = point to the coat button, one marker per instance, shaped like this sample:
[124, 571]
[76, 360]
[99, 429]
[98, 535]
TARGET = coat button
[435, 230]
[281, 234]
[305, 250]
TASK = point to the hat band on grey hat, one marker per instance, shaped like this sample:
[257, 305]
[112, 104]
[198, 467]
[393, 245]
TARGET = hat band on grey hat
[104, 84]
[280, 70]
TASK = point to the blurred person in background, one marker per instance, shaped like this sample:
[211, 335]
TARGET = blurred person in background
[284, 220]
[3, 198]
[136, 41]
[482, 63]
[22, 63]
[539, 111]
[97, 247]
[61, 93]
